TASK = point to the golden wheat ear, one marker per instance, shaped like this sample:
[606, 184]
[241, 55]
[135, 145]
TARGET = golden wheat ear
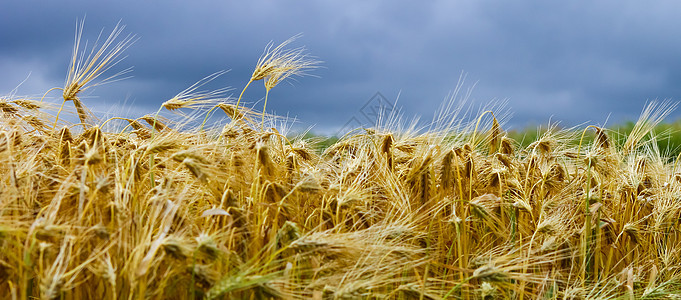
[275, 65]
[86, 67]
[193, 98]
[286, 64]
[652, 115]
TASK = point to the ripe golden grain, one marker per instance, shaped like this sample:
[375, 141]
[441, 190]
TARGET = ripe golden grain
[245, 213]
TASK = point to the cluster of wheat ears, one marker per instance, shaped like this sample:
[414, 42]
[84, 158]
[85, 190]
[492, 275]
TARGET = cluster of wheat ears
[166, 208]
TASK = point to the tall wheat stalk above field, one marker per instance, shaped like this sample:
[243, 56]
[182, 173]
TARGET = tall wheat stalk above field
[86, 68]
[276, 64]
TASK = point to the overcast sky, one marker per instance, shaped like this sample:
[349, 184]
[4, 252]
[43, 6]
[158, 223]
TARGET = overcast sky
[568, 61]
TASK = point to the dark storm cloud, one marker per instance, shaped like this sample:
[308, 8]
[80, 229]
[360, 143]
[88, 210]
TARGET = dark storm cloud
[569, 61]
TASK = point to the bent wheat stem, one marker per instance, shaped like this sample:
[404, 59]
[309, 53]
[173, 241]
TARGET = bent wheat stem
[44, 95]
[236, 108]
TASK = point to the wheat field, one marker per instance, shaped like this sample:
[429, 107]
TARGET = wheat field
[182, 208]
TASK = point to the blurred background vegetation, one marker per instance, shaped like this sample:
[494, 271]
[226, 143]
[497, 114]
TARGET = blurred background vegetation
[668, 136]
